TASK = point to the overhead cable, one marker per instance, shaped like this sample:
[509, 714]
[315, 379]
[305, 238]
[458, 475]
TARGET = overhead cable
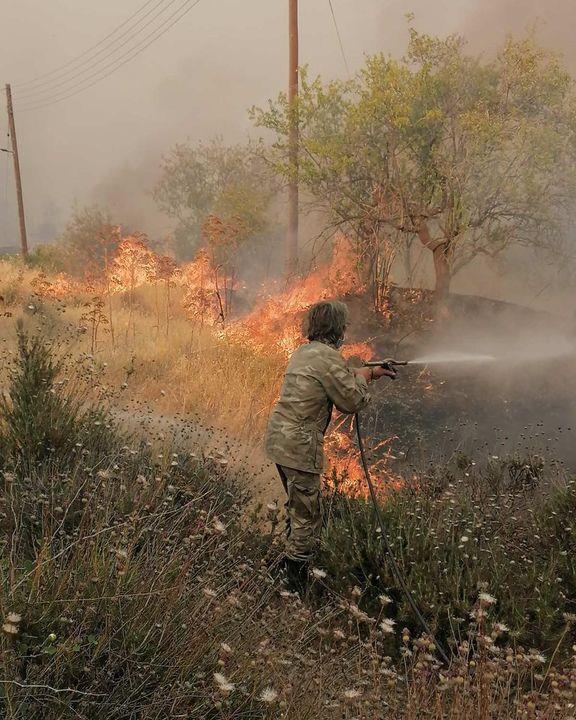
[73, 60]
[80, 87]
[90, 64]
[339, 37]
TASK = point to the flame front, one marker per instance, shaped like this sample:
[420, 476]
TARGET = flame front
[273, 327]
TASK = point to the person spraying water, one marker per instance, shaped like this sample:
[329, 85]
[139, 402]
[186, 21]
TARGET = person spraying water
[317, 379]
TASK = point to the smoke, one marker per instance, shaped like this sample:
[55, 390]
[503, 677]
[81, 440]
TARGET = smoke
[106, 144]
[490, 21]
[197, 81]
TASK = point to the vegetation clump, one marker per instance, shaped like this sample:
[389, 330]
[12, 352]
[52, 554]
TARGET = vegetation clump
[133, 586]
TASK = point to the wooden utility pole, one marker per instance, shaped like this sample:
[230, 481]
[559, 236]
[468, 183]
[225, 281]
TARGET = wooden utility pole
[293, 141]
[17, 175]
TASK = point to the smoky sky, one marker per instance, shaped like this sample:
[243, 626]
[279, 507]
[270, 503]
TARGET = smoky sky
[105, 145]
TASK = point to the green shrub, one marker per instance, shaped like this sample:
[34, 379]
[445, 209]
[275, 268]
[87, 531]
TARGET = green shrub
[43, 419]
[505, 528]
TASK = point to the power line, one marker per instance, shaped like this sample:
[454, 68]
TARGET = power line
[339, 37]
[180, 13]
[90, 60]
[92, 47]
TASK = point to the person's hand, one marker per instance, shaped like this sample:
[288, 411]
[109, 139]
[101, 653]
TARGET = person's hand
[373, 373]
[383, 372]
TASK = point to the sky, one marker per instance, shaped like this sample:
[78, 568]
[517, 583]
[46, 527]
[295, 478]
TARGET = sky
[106, 144]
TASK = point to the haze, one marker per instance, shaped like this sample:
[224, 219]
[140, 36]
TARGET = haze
[105, 144]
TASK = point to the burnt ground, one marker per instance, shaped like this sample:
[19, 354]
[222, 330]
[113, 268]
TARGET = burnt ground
[522, 402]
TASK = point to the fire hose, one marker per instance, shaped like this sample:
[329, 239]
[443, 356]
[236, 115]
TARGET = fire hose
[396, 571]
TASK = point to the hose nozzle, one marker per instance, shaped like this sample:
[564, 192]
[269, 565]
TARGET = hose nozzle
[388, 362]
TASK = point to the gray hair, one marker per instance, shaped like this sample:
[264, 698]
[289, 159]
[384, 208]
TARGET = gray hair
[327, 321]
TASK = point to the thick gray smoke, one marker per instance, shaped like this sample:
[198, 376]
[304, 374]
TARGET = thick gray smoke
[105, 145]
[197, 81]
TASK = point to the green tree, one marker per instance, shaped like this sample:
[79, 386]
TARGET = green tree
[232, 183]
[468, 156]
[89, 240]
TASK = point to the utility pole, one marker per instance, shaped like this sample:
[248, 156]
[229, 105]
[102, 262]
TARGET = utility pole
[17, 175]
[293, 140]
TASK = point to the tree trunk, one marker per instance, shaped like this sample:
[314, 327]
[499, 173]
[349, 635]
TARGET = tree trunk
[440, 257]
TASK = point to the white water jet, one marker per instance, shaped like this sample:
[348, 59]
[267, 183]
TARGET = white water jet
[451, 357]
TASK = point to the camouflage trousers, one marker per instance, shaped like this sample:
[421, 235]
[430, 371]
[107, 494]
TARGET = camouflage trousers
[303, 512]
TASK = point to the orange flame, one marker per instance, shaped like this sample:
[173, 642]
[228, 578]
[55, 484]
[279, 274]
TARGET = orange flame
[276, 325]
[345, 471]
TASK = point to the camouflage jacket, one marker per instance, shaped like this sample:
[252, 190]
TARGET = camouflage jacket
[317, 379]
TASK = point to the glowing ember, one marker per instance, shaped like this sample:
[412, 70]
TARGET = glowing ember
[203, 299]
[345, 471]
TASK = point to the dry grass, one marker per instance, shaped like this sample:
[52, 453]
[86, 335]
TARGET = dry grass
[133, 587]
[186, 368]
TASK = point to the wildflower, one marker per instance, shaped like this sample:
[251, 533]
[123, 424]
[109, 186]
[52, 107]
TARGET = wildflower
[272, 507]
[357, 613]
[464, 539]
[226, 648]
[210, 593]
[268, 695]
[10, 629]
[223, 683]
[501, 628]
[356, 592]
[486, 599]
[319, 574]
[537, 657]
[384, 599]
[13, 618]
[352, 694]
[219, 526]
[387, 626]
[339, 635]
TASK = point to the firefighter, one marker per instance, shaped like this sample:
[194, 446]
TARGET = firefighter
[317, 379]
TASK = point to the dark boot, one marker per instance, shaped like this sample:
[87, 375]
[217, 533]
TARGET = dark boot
[296, 575]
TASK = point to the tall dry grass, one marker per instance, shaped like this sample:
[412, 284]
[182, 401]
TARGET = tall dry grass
[131, 587]
[179, 365]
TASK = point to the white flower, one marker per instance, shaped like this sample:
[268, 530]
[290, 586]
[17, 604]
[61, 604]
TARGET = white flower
[223, 683]
[10, 629]
[13, 618]
[352, 694]
[210, 593]
[387, 626]
[219, 526]
[486, 599]
[464, 539]
[501, 628]
[268, 695]
[319, 574]
[384, 599]
[537, 657]
[272, 507]
[339, 635]
[226, 648]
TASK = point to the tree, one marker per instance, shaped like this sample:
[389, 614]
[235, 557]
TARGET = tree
[469, 156]
[214, 179]
[89, 239]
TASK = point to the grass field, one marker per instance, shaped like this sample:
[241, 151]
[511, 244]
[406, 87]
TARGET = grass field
[136, 583]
